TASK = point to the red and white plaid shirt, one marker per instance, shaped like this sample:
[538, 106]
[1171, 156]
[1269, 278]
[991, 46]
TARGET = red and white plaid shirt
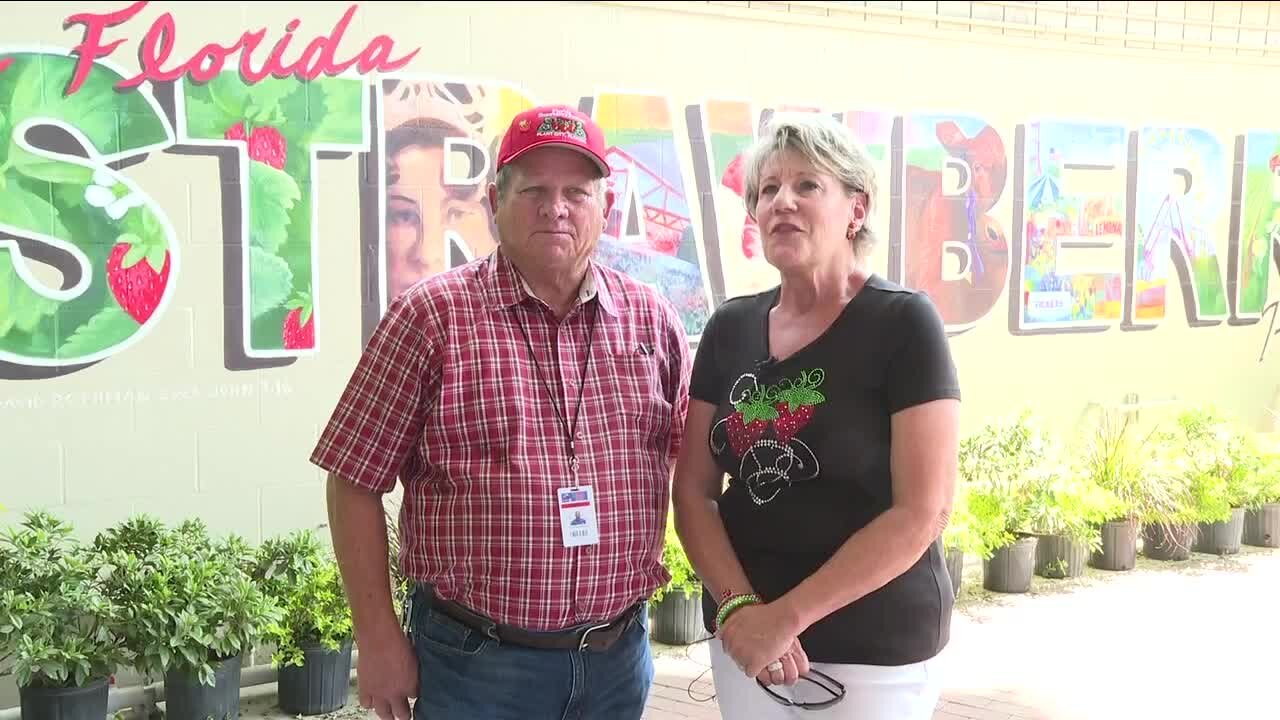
[447, 398]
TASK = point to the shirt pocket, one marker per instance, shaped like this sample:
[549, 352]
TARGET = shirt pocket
[643, 408]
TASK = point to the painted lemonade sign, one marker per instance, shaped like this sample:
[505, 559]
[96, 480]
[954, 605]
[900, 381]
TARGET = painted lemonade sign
[70, 123]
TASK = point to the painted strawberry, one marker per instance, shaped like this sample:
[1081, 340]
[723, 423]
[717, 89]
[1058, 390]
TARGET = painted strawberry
[266, 144]
[750, 238]
[299, 325]
[138, 273]
[742, 435]
[791, 420]
[734, 176]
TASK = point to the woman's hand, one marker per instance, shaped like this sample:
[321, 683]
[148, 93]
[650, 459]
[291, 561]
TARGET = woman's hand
[756, 635]
[794, 664]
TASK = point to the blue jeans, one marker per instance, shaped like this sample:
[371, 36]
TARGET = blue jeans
[463, 674]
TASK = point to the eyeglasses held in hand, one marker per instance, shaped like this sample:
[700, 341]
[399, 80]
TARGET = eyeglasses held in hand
[829, 684]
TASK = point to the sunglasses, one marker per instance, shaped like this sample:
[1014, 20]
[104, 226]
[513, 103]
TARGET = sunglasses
[828, 684]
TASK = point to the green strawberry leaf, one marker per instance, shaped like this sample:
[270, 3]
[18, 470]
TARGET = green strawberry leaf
[339, 120]
[134, 256]
[758, 411]
[206, 120]
[58, 172]
[31, 212]
[805, 396]
[233, 97]
[272, 194]
[95, 109]
[270, 281]
[306, 316]
[21, 306]
[111, 326]
[155, 257]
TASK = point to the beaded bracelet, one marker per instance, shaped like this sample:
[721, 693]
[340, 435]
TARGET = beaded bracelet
[733, 603]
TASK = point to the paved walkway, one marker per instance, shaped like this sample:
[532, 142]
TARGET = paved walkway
[1197, 640]
[1192, 640]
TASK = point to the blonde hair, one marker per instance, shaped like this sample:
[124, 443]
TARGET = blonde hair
[826, 144]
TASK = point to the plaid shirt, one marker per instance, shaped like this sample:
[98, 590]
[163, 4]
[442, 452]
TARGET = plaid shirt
[446, 397]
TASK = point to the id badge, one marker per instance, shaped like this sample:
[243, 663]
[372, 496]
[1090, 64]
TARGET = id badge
[578, 516]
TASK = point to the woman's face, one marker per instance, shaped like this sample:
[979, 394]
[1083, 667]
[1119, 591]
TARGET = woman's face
[804, 213]
[424, 215]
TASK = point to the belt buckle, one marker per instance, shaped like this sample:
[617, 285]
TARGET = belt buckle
[582, 644]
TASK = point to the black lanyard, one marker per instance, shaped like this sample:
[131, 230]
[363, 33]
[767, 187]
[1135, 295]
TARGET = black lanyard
[569, 432]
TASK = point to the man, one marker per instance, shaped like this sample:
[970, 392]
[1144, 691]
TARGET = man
[510, 395]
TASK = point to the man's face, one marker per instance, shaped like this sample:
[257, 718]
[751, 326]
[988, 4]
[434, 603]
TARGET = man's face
[551, 217]
[422, 212]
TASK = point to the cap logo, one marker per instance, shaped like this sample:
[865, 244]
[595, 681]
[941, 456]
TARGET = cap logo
[524, 124]
[566, 127]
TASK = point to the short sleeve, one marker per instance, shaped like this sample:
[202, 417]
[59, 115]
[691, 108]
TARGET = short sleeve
[680, 362]
[380, 414]
[922, 369]
[705, 382]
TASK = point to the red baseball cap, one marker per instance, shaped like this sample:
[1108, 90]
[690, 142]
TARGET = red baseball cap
[553, 125]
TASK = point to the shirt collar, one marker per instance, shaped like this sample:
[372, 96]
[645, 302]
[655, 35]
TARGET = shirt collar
[506, 287]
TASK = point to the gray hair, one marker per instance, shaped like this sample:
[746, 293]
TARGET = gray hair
[509, 173]
[829, 146]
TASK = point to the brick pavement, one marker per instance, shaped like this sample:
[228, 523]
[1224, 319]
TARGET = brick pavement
[1189, 641]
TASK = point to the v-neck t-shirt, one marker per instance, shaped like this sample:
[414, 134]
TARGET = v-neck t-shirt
[805, 441]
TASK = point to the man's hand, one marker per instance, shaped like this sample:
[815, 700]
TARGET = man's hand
[387, 675]
[387, 669]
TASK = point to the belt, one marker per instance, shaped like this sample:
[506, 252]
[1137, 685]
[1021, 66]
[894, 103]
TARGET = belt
[595, 638]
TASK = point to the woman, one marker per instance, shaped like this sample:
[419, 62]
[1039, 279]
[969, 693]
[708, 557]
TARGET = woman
[832, 403]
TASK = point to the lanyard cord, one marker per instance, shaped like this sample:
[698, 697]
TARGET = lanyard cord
[569, 432]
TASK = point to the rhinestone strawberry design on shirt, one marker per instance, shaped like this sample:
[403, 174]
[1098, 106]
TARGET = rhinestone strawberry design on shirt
[769, 464]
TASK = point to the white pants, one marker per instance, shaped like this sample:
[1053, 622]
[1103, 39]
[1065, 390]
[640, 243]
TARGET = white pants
[908, 692]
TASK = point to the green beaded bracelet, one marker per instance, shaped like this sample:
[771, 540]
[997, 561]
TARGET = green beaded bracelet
[729, 606]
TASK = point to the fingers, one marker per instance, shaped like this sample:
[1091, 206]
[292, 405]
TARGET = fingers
[366, 701]
[801, 659]
[400, 706]
[383, 709]
[789, 672]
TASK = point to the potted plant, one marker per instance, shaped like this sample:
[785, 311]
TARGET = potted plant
[1234, 460]
[313, 634]
[677, 606]
[997, 465]
[194, 612]
[60, 634]
[1119, 463]
[962, 536]
[1262, 501]
[1066, 511]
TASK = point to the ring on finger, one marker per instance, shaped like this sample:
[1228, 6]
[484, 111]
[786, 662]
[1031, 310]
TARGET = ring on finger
[775, 666]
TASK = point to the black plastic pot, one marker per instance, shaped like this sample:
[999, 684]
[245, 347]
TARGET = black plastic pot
[955, 568]
[1262, 526]
[185, 698]
[1168, 543]
[1222, 538]
[85, 702]
[1059, 557]
[321, 685]
[1119, 550]
[1010, 568]
[677, 619]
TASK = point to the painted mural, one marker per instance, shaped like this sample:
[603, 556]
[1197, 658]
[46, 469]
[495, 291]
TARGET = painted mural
[990, 221]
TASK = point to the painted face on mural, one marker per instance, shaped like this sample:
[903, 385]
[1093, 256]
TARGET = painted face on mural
[550, 218]
[804, 214]
[426, 217]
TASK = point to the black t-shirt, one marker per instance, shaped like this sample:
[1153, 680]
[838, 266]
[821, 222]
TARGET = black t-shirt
[805, 441]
